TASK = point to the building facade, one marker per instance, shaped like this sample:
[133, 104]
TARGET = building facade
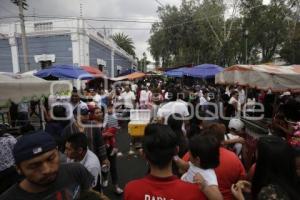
[68, 42]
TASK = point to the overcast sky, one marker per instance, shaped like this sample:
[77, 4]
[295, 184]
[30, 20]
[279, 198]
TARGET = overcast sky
[140, 10]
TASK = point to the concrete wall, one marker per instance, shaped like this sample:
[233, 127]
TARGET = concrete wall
[5, 56]
[59, 45]
[99, 51]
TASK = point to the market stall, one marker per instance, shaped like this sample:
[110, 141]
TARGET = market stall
[20, 88]
[276, 79]
[263, 77]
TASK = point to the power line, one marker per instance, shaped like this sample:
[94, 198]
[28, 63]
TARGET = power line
[95, 19]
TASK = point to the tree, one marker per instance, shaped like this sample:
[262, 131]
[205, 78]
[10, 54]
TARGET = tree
[125, 42]
[267, 25]
[143, 62]
[290, 50]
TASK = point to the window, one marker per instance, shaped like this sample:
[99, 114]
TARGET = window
[46, 26]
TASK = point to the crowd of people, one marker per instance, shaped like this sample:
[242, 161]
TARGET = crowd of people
[188, 156]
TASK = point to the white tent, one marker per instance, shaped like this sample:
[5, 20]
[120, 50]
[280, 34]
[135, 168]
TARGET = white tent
[15, 87]
[276, 78]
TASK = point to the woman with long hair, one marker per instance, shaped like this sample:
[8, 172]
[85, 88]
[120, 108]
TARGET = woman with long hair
[275, 176]
[275, 173]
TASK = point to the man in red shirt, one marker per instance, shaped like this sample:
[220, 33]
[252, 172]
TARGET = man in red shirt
[159, 146]
[231, 169]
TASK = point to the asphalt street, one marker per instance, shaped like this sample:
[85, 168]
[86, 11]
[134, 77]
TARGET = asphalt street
[129, 166]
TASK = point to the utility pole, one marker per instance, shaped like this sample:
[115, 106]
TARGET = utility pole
[22, 5]
[246, 45]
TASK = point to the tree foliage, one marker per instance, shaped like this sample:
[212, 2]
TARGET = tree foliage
[201, 32]
[125, 42]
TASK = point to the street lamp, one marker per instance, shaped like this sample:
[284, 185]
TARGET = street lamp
[246, 41]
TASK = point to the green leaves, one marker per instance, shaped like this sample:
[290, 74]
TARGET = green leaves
[198, 33]
[125, 42]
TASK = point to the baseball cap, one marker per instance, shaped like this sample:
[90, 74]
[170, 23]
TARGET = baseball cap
[32, 145]
[236, 124]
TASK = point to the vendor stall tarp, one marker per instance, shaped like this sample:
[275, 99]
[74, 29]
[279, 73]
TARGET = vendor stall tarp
[203, 71]
[135, 75]
[276, 78]
[199, 71]
[180, 72]
[16, 87]
[65, 72]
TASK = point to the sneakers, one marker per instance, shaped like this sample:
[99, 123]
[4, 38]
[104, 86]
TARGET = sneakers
[118, 190]
[105, 183]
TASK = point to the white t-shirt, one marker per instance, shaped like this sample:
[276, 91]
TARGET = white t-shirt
[144, 96]
[237, 146]
[134, 87]
[242, 96]
[203, 101]
[172, 107]
[92, 164]
[209, 175]
[127, 98]
[97, 98]
[233, 101]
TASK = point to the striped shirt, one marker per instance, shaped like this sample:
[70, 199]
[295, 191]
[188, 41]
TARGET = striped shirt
[111, 121]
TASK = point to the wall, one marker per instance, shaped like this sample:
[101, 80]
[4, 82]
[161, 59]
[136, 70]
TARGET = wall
[59, 45]
[98, 50]
[5, 56]
[121, 61]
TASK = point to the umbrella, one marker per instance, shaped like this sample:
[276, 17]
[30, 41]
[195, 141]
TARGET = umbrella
[64, 71]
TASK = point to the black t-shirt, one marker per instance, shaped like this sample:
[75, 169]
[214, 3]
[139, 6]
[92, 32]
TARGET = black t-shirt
[71, 180]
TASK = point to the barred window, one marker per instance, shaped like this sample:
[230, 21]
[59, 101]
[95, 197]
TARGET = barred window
[46, 26]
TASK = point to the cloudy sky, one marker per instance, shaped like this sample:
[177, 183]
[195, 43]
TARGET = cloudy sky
[135, 10]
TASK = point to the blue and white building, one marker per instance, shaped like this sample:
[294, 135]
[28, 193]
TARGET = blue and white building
[69, 41]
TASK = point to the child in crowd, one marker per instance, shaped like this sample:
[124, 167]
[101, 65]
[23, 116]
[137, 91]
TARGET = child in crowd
[204, 152]
[111, 126]
[232, 139]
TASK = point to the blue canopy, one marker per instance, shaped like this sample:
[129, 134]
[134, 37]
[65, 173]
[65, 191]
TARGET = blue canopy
[199, 71]
[64, 71]
[180, 72]
[204, 71]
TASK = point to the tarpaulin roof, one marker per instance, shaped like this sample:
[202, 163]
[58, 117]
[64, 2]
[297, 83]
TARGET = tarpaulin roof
[176, 72]
[64, 71]
[203, 71]
[92, 70]
[15, 87]
[199, 71]
[132, 76]
[276, 78]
